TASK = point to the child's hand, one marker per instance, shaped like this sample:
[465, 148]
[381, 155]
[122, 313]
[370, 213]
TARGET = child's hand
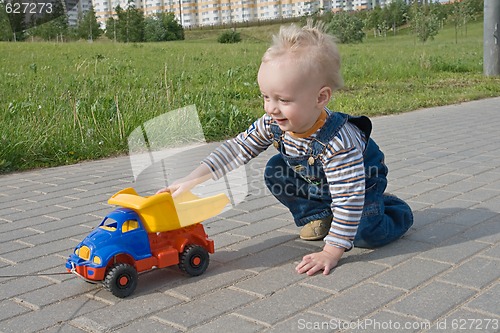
[176, 188]
[324, 260]
[197, 176]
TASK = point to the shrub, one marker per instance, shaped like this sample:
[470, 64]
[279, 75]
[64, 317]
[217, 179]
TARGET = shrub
[229, 36]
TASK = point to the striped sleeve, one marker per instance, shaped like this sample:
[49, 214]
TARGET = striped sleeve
[241, 149]
[344, 170]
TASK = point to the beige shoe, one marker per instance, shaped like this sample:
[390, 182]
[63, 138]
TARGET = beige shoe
[317, 229]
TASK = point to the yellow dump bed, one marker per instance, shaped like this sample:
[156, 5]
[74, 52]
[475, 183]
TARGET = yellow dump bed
[160, 212]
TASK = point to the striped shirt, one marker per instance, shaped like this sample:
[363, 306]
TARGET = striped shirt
[342, 162]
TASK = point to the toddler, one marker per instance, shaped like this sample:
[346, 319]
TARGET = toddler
[328, 171]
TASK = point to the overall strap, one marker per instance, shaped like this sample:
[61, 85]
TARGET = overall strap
[277, 136]
[329, 130]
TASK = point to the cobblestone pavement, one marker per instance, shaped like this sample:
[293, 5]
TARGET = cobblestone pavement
[443, 276]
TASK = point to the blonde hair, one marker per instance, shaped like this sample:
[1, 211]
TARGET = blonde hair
[311, 48]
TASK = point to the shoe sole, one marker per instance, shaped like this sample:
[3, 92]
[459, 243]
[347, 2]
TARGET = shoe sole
[312, 238]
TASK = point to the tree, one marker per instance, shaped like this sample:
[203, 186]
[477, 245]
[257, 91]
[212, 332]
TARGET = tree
[130, 24]
[424, 23]
[154, 30]
[175, 30]
[464, 11]
[396, 13]
[12, 23]
[373, 20]
[88, 27]
[346, 27]
[162, 27]
[110, 28]
[56, 23]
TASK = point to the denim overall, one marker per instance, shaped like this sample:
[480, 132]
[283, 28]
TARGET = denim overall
[301, 185]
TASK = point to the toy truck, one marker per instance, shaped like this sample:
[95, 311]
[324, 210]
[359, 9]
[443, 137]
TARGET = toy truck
[145, 233]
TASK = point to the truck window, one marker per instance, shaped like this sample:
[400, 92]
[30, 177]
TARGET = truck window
[129, 225]
[109, 224]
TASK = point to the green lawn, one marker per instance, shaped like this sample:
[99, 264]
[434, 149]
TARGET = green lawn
[62, 103]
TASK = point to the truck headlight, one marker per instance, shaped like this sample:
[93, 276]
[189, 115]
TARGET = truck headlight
[96, 260]
[83, 252]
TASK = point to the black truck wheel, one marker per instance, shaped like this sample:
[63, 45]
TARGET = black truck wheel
[121, 280]
[194, 260]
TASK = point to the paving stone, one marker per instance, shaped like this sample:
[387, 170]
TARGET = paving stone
[229, 323]
[66, 328]
[488, 231]
[132, 308]
[271, 257]
[271, 281]
[57, 234]
[479, 195]
[257, 228]
[454, 206]
[224, 240]
[260, 215]
[437, 233]
[415, 205]
[9, 308]
[494, 252]
[422, 218]
[32, 223]
[388, 322]
[487, 301]
[251, 246]
[395, 253]
[147, 325]
[463, 186]
[17, 234]
[466, 321]
[21, 285]
[204, 309]
[454, 250]
[36, 321]
[307, 322]
[213, 279]
[14, 216]
[32, 266]
[357, 302]
[411, 273]
[291, 300]
[448, 179]
[435, 196]
[40, 250]
[57, 292]
[346, 275]
[10, 246]
[432, 301]
[475, 273]
[220, 226]
[424, 186]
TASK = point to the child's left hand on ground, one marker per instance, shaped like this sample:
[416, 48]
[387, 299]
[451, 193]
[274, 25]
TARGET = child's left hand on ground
[325, 260]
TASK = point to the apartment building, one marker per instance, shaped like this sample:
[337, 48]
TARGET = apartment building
[192, 13]
[76, 8]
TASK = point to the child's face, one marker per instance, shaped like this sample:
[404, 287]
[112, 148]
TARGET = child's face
[293, 100]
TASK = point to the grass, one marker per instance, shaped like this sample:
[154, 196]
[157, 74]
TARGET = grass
[63, 103]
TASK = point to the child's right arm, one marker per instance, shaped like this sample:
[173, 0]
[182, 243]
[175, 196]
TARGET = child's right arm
[227, 157]
[199, 175]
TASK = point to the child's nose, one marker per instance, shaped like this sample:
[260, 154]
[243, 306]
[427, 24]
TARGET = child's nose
[272, 108]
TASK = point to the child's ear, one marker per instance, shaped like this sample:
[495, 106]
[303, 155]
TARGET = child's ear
[324, 96]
